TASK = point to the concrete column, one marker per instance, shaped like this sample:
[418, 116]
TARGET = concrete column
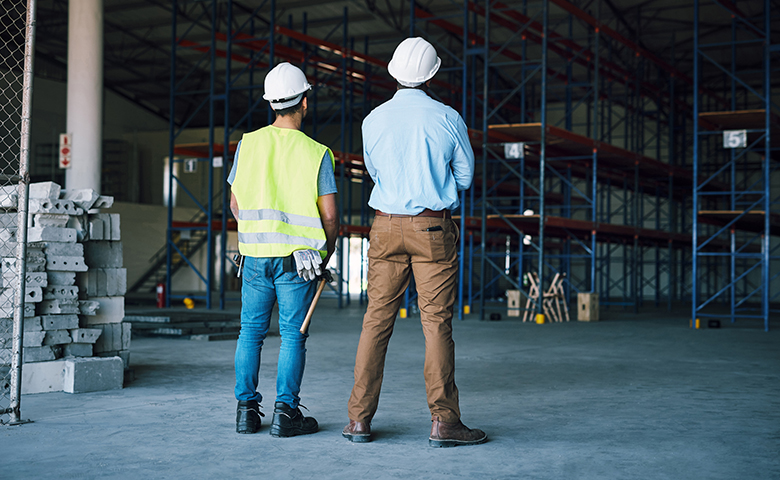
[85, 92]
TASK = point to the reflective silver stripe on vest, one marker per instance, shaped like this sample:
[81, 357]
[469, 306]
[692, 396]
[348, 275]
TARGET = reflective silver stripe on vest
[288, 218]
[281, 238]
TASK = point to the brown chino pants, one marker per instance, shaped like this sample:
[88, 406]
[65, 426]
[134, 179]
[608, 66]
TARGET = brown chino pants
[400, 246]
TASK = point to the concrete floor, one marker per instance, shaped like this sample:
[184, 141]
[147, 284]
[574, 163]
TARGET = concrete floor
[630, 397]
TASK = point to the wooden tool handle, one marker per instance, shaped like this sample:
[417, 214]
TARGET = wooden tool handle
[307, 320]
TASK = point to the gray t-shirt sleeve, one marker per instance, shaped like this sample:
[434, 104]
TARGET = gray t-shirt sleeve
[232, 176]
[326, 179]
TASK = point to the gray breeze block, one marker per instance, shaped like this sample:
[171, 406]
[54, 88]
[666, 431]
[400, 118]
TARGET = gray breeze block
[93, 374]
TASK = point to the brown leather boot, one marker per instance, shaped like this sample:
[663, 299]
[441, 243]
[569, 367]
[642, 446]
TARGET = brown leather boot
[445, 434]
[357, 432]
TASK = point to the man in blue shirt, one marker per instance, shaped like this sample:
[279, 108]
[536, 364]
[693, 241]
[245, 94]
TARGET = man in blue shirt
[417, 151]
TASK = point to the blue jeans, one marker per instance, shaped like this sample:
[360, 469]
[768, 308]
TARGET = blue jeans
[266, 282]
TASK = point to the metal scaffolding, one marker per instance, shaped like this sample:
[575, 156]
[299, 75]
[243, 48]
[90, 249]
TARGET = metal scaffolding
[735, 185]
[572, 112]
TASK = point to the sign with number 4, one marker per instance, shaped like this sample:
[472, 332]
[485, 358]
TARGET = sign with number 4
[514, 150]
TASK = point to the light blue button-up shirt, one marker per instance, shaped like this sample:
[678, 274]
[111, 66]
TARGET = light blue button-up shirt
[417, 151]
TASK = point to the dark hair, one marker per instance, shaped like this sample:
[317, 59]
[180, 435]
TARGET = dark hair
[290, 110]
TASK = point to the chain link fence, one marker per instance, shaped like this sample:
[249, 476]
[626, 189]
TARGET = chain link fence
[16, 51]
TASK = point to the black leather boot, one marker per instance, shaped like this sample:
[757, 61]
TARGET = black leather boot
[248, 416]
[289, 422]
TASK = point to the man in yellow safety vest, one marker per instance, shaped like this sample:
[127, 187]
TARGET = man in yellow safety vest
[284, 199]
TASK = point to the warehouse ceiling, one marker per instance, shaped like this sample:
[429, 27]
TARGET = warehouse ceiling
[138, 38]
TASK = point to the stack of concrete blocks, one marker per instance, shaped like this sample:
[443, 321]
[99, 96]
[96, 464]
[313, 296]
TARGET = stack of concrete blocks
[104, 284]
[65, 328]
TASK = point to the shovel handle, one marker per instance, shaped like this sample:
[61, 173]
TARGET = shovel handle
[307, 320]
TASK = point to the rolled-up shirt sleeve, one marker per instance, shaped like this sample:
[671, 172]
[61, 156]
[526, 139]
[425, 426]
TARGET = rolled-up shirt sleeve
[462, 156]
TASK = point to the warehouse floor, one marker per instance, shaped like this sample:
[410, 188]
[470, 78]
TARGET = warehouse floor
[629, 397]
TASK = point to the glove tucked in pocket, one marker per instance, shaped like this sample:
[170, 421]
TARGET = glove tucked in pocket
[307, 263]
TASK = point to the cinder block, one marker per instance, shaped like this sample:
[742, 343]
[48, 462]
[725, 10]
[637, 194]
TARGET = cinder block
[57, 337]
[59, 322]
[43, 377]
[51, 307]
[62, 249]
[104, 343]
[85, 335]
[116, 230]
[93, 374]
[59, 292]
[95, 228]
[32, 324]
[111, 339]
[39, 354]
[33, 339]
[103, 254]
[65, 264]
[49, 190]
[50, 220]
[104, 282]
[105, 226]
[51, 234]
[46, 205]
[61, 278]
[29, 309]
[116, 282]
[111, 310]
[104, 201]
[8, 196]
[88, 307]
[31, 295]
[36, 279]
[77, 350]
[84, 198]
[127, 330]
[123, 354]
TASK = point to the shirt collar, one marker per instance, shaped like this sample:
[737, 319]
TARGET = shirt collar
[409, 92]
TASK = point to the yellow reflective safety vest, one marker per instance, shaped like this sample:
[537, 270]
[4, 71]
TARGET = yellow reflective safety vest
[276, 190]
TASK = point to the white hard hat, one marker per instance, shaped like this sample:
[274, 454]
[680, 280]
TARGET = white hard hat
[414, 62]
[284, 85]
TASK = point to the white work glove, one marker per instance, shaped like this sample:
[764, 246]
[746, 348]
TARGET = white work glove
[307, 262]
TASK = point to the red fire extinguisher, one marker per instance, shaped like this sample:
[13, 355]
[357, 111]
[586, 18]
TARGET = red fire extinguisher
[160, 295]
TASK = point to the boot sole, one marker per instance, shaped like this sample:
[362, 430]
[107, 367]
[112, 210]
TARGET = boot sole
[454, 443]
[244, 429]
[279, 433]
[357, 438]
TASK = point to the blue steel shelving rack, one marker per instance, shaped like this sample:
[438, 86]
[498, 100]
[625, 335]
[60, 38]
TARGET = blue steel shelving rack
[736, 283]
[544, 180]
